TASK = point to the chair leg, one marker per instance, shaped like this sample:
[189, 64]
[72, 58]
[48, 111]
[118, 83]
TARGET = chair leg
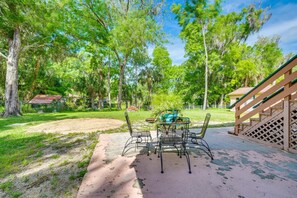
[161, 157]
[128, 142]
[148, 148]
[149, 144]
[188, 161]
[207, 152]
[203, 144]
[186, 153]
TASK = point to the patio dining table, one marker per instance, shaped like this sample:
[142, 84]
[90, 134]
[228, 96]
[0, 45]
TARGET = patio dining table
[181, 122]
[173, 135]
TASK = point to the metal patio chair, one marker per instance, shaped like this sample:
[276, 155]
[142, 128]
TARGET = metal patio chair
[136, 138]
[198, 138]
[171, 140]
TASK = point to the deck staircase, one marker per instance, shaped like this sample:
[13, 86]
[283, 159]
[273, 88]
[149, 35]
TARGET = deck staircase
[271, 117]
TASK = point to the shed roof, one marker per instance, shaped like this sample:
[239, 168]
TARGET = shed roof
[240, 91]
[244, 90]
[44, 99]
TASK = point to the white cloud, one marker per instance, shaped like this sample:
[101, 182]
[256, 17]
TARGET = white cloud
[282, 23]
[231, 5]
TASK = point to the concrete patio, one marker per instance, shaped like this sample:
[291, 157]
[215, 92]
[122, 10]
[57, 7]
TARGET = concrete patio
[240, 168]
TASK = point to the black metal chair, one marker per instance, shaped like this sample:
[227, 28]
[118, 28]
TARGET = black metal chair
[198, 138]
[169, 140]
[136, 138]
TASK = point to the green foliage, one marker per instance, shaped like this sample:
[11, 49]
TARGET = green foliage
[231, 63]
[72, 47]
[8, 188]
[163, 102]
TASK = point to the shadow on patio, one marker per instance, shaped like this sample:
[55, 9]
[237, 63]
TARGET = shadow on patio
[240, 169]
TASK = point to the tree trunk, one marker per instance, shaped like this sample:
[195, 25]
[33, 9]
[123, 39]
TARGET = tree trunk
[222, 100]
[246, 82]
[150, 89]
[136, 85]
[32, 88]
[12, 107]
[122, 72]
[92, 102]
[108, 81]
[136, 101]
[206, 70]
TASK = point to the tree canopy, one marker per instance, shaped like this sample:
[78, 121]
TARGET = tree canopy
[98, 51]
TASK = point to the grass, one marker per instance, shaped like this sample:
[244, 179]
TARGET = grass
[218, 115]
[19, 149]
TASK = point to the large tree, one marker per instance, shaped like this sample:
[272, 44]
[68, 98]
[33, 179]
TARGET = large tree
[203, 16]
[162, 64]
[20, 21]
[209, 34]
[121, 26]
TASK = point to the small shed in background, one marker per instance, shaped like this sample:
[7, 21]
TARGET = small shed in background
[238, 93]
[46, 102]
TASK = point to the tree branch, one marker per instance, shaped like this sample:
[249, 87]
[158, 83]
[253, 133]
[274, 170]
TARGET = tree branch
[2, 55]
[34, 45]
[128, 6]
[117, 54]
[99, 20]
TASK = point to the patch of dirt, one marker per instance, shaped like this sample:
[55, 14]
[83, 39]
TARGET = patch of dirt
[56, 171]
[85, 125]
[59, 166]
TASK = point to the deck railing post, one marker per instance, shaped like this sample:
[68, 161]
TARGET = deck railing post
[237, 117]
[287, 115]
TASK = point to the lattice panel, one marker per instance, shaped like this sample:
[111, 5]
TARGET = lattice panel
[271, 131]
[293, 135]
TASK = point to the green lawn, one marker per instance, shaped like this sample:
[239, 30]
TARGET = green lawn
[218, 115]
[19, 149]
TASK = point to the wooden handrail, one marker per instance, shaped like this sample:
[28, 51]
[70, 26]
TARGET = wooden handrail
[263, 106]
[273, 95]
[268, 92]
[263, 81]
[268, 82]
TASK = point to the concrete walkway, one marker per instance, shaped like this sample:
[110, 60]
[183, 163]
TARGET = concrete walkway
[240, 169]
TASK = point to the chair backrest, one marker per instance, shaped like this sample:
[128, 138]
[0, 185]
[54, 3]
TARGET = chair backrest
[205, 124]
[128, 122]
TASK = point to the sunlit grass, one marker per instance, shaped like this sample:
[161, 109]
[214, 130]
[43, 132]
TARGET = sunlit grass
[19, 148]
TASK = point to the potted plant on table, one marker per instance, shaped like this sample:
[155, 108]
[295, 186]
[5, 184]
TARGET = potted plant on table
[166, 107]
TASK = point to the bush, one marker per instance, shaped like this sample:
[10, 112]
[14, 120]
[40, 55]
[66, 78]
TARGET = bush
[27, 108]
[163, 102]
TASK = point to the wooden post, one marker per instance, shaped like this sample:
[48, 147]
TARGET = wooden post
[237, 126]
[287, 115]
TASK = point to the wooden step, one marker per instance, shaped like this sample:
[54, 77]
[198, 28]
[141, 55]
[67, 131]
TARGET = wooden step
[253, 120]
[277, 107]
[244, 125]
[265, 114]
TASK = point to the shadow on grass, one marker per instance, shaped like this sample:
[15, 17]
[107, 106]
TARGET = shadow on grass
[7, 123]
[18, 151]
[40, 159]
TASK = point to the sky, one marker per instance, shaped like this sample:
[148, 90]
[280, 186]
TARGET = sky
[283, 23]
